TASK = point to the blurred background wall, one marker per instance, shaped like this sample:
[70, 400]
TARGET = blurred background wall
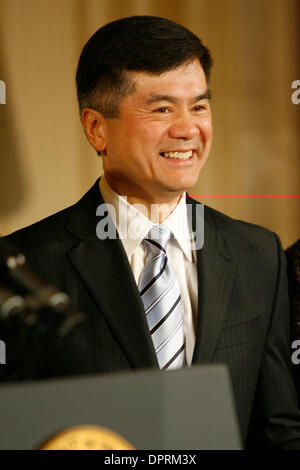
[46, 162]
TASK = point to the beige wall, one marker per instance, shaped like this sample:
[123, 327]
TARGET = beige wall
[45, 160]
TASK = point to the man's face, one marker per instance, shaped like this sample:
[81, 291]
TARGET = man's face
[167, 116]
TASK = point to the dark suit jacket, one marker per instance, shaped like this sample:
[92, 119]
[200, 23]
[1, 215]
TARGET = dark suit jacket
[293, 269]
[242, 315]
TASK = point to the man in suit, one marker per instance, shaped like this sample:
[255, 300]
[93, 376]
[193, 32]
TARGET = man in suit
[143, 93]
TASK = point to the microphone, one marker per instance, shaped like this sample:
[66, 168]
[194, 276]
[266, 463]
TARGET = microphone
[11, 304]
[17, 275]
[24, 291]
[35, 318]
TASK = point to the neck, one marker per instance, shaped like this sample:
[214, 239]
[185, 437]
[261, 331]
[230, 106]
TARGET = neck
[157, 212]
[155, 208]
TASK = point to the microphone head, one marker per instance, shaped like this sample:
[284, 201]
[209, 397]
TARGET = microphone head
[10, 258]
[7, 249]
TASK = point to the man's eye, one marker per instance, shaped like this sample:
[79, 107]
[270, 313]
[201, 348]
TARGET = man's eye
[199, 107]
[163, 110]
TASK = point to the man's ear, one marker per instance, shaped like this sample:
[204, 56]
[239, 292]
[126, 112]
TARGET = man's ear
[94, 124]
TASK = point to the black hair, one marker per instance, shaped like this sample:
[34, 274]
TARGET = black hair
[136, 43]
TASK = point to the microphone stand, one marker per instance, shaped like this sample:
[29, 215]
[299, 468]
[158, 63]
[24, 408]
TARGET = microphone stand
[35, 317]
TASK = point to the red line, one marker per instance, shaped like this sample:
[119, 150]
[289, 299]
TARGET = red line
[202, 196]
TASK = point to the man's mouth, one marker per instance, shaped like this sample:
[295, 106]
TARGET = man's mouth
[178, 155]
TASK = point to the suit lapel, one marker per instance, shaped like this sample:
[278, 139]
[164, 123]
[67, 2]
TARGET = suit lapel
[216, 266]
[104, 269]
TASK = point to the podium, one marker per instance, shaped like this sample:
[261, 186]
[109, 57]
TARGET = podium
[189, 408]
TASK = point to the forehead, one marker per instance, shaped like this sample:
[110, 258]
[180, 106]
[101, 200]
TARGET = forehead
[187, 79]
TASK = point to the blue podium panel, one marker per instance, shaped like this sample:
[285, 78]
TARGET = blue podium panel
[189, 408]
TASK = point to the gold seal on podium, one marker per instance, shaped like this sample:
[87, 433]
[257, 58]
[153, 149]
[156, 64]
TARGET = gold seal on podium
[86, 437]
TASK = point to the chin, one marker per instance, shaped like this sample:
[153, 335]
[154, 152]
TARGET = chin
[176, 190]
[183, 185]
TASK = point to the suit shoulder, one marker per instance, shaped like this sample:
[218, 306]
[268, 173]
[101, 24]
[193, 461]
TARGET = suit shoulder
[248, 235]
[46, 232]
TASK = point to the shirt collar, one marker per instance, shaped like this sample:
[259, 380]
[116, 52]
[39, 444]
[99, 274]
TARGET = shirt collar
[177, 222]
[133, 225]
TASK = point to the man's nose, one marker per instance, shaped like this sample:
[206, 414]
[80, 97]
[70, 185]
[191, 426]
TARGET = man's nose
[184, 127]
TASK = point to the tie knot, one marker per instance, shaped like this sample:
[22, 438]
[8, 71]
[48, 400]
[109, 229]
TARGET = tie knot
[159, 234]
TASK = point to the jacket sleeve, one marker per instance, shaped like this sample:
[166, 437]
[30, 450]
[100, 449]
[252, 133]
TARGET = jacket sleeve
[276, 417]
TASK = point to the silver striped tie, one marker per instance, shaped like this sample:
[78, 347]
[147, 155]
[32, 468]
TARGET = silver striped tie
[160, 293]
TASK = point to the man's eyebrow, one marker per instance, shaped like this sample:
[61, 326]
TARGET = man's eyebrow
[203, 96]
[154, 98]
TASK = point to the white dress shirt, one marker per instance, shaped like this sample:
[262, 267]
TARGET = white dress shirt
[133, 226]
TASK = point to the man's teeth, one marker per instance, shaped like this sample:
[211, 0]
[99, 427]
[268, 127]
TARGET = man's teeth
[180, 155]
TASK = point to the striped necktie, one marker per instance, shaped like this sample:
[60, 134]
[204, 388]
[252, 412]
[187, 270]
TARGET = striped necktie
[160, 293]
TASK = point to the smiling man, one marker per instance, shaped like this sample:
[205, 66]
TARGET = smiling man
[152, 298]
[163, 134]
